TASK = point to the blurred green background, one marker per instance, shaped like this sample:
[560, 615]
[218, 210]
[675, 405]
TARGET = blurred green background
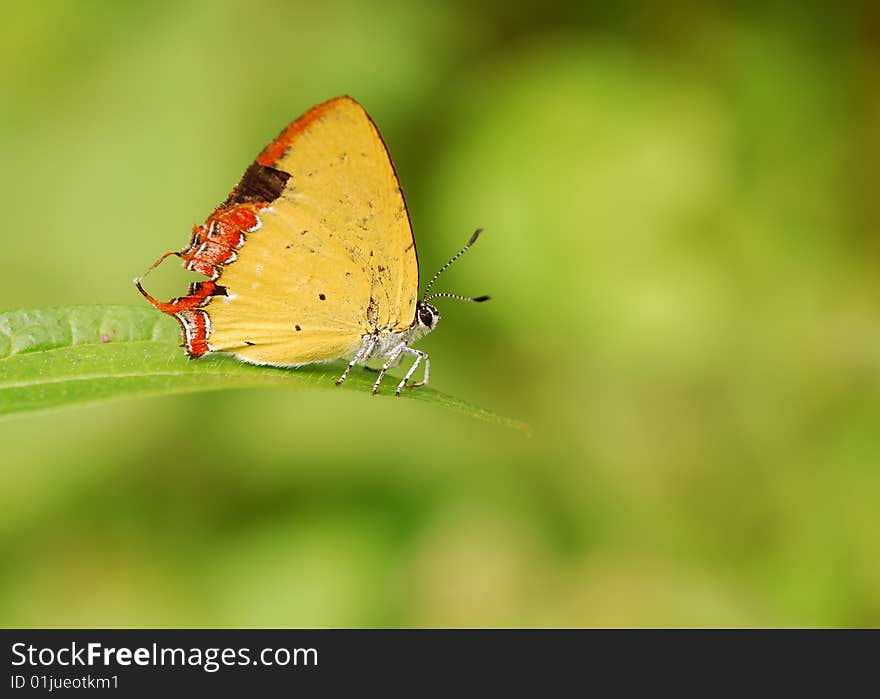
[682, 232]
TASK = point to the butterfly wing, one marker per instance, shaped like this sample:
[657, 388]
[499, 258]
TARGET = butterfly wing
[326, 252]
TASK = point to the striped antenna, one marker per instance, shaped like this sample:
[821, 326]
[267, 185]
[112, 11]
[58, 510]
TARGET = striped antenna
[449, 264]
[444, 294]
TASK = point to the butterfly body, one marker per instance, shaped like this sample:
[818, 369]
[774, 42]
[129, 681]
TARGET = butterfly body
[311, 257]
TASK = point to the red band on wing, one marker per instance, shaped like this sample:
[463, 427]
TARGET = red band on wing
[199, 293]
[196, 326]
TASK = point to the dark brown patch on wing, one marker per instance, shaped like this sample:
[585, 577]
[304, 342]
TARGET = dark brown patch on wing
[259, 184]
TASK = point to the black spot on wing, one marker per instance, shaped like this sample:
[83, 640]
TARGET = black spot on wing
[218, 290]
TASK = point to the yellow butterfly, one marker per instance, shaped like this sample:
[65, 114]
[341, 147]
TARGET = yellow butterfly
[311, 258]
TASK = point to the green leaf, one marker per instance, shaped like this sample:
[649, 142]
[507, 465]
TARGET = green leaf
[66, 356]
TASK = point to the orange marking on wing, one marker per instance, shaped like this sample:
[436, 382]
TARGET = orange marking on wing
[212, 245]
[276, 150]
[229, 224]
[209, 256]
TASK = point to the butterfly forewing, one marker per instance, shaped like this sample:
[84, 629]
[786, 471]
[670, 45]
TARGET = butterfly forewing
[333, 257]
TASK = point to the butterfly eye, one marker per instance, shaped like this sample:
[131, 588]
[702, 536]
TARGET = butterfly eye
[426, 317]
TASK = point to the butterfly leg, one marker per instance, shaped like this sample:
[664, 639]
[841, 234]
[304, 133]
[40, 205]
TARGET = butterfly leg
[426, 377]
[362, 354]
[393, 357]
[376, 370]
[420, 356]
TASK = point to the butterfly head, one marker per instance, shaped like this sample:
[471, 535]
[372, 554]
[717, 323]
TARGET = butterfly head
[427, 316]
